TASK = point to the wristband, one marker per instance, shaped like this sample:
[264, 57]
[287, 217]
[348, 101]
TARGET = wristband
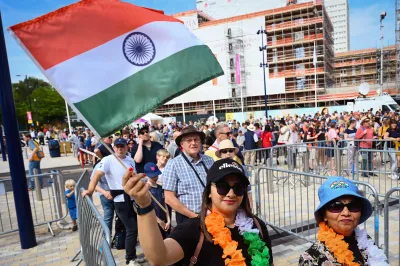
[142, 211]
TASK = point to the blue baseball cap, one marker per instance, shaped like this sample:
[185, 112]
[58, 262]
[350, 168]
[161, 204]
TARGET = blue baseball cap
[120, 141]
[151, 170]
[335, 187]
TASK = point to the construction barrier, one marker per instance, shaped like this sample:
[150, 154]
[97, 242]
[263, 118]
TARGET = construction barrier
[392, 215]
[94, 234]
[48, 204]
[290, 206]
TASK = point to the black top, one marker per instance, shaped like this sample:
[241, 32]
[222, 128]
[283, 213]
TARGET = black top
[309, 132]
[187, 234]
[149, 155]
[322, 136]
[393, 134]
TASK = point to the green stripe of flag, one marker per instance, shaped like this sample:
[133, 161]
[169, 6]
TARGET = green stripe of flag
[149, 88]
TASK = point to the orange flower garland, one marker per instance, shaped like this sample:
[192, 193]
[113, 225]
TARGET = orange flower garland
[222, 236]
[336, 245]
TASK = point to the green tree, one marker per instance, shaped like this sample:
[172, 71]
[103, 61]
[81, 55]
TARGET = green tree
[49, 105]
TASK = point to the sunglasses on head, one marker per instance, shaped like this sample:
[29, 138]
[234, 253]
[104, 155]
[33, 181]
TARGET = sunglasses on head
[227, 150]
[337, 206]
[143, 132]
[223, 188]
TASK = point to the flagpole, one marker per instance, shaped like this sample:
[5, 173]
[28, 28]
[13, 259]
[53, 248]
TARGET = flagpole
[214, 108]
[183, 113]
[22, 204]
[69, 120]
[315, 75]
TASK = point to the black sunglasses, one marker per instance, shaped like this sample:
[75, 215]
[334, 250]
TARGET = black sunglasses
[223, 188]
[226, 133]
[337, 206]
[227, 150]
[143, 132]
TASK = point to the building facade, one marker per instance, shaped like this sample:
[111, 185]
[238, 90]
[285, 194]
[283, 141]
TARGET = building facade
[338, 11]
[302, 66]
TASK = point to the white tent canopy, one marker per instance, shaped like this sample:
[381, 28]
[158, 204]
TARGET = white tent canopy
[151, 118]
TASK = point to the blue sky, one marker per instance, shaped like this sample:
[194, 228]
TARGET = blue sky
[364, 23]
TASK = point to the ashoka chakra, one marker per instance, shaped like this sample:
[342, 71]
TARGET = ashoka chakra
[139, 49]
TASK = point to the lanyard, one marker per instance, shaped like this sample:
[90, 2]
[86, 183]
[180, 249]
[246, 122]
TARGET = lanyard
[191, 165]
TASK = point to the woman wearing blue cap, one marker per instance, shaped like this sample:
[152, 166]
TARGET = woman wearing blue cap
[340, 241]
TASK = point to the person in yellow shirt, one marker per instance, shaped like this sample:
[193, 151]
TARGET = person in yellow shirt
[222, 132]
[381, 133]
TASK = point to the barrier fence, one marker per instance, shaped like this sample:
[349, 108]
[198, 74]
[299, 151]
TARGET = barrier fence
[48, 203]
[94, 235]
[290, 206]
[377, 165]
[392, 226]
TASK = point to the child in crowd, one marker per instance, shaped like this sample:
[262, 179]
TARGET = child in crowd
[164, 221]
[70, 194]
[162, 159]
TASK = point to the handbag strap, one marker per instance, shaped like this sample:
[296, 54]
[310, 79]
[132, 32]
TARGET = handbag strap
[193, 259]
[258, 226]
[191, 165]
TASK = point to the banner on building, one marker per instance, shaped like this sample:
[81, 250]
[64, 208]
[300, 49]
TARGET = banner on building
[29, 117]
[237, 69]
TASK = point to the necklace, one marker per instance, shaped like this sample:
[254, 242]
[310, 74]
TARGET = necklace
[340, 249]
[258, 250]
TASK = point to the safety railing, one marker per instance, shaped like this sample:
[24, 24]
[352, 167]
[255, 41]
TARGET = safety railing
[392, 226]
[47, 202]
[289, 206]
[94, 234]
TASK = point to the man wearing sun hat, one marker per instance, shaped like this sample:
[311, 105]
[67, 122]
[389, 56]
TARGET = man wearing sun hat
[185, 175]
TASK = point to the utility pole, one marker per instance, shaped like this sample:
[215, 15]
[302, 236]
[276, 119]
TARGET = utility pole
[383, 15]
[264, 65]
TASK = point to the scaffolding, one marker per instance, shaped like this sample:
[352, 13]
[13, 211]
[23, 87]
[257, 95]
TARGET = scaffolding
[292, 37]
[237, 64]
[356, 67]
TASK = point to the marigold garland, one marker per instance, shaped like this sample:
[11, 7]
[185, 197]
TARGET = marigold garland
[335, 243]
[258, 250]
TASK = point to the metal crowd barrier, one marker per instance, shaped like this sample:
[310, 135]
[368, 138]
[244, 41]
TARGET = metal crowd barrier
[48, 203]
[392, 237]
[289, 206]
[94, 235]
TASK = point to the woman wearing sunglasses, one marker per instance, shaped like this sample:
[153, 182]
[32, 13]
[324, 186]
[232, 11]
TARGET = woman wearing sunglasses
[228, 150]
[339, 240]
[222, 233]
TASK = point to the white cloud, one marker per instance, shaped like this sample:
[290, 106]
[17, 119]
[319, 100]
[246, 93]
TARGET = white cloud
[365, 26]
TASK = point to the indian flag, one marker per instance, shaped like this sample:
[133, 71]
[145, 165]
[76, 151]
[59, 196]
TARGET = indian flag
[113, 61]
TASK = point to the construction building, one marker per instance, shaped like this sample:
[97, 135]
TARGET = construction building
[302, 68]
[355, 67]
[300, 49]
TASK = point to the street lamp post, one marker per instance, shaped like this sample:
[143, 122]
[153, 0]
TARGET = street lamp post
[36, 114]
[264, 65]
[382, 16]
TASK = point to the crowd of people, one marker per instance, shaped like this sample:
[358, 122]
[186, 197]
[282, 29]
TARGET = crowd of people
[198, 172]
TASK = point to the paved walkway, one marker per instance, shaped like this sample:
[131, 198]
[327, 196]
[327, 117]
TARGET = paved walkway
[47, 162]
